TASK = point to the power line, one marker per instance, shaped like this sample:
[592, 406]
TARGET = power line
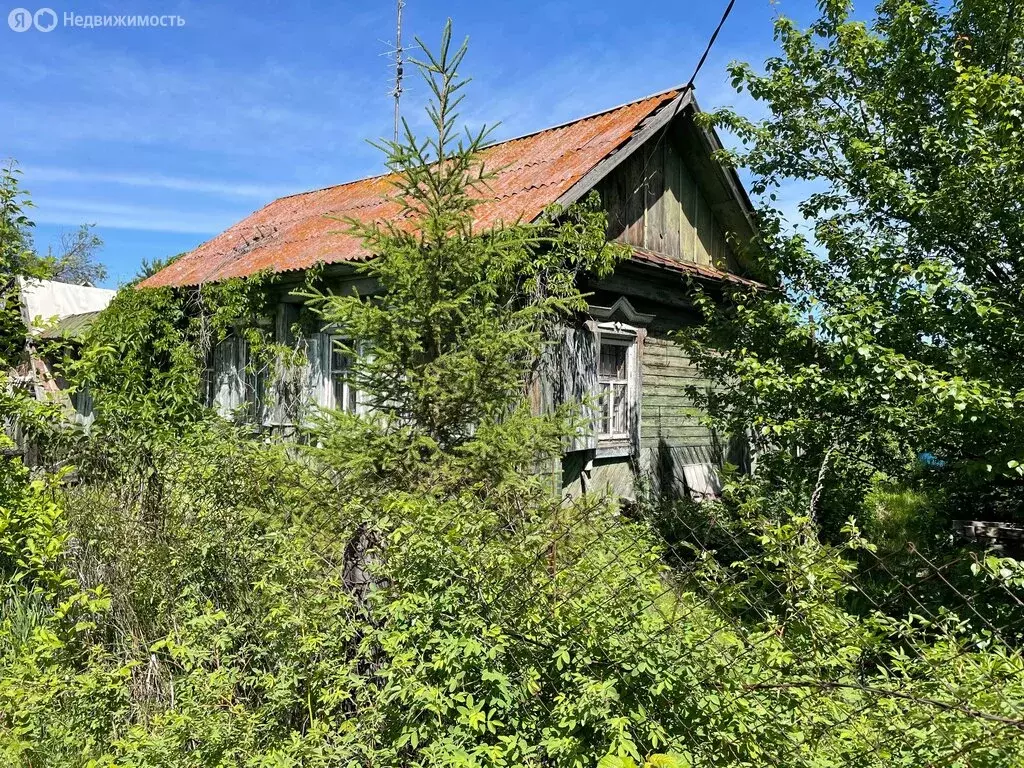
[684, 90]
[711, 42]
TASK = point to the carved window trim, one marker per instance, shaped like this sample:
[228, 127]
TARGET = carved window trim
[619, 325]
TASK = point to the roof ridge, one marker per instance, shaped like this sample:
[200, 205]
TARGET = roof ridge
[564, 124]
[674, 89]
[542, 166]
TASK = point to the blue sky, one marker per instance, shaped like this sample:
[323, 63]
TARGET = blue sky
[162, 137]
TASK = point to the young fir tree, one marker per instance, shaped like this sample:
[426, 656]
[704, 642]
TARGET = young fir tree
[448, 348]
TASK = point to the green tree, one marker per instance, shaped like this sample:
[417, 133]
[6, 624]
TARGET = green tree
[896, 324]
[148, 267]
[16, 258]
[76, 261]
[16, 254]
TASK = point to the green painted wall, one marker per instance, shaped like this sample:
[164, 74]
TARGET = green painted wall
[676, 455]
[671, 435]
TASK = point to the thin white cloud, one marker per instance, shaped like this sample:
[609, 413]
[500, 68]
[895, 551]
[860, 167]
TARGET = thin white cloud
[276, 128]
[262, 192]
[73, 212]
[109, 98]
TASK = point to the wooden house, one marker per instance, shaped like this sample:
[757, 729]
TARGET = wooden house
[666, 197]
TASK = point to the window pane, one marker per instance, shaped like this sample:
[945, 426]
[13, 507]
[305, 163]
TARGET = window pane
[604, 400]
[619, 409]
[613, 361]
[339, 371]
[338, 385]
[339, 361]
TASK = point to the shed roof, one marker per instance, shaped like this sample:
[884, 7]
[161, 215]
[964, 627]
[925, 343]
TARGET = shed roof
[300, 231]
[72, 327]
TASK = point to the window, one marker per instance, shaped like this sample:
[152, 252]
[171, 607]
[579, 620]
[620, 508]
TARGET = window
[343, 394]
[615, 394]
[619, 331]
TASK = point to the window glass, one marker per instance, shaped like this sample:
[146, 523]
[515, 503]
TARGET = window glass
[343, 393]
[613, 388]
[620, 409]
[613, 360]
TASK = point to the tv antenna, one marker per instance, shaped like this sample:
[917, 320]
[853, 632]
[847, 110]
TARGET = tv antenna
[397, 92]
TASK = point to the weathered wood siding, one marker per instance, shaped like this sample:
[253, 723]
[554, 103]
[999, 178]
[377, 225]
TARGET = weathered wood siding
[655, 202]
[675, 454]
[568, 374]
[228, 387]
[679, 454]
[295, 390]
[281, 394]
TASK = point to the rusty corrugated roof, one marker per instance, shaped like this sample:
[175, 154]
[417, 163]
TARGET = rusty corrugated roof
[300, 231]
[651, 258]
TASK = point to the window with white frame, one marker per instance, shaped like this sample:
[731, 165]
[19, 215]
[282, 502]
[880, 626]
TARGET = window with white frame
[342, 392]
[616, 386]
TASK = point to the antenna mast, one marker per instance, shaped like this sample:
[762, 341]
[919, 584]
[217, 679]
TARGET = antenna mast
[397, 93]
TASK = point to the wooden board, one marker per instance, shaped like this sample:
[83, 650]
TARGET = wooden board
[654, 201]
[623, 198]
[654, 193]
[672, 212]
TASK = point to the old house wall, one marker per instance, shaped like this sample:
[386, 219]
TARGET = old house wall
[678, 455]
[674, 454]
[656, 201]
[281, 393]
[661, 200]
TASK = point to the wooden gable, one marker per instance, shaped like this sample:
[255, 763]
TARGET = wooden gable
[661, 199]
[654, 202]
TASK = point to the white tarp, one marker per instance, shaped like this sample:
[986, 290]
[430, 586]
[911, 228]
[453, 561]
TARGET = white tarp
[43, 301]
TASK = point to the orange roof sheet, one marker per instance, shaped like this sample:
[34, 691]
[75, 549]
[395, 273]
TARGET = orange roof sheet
[300, 231]
[643, 256]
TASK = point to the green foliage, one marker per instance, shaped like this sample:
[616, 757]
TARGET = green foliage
[445, 352]
[145, 355]
[227, 632]
[148, 267]
[18, 258]
[55, 687]
[894, 327]
[76, 261]
[402, 589]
